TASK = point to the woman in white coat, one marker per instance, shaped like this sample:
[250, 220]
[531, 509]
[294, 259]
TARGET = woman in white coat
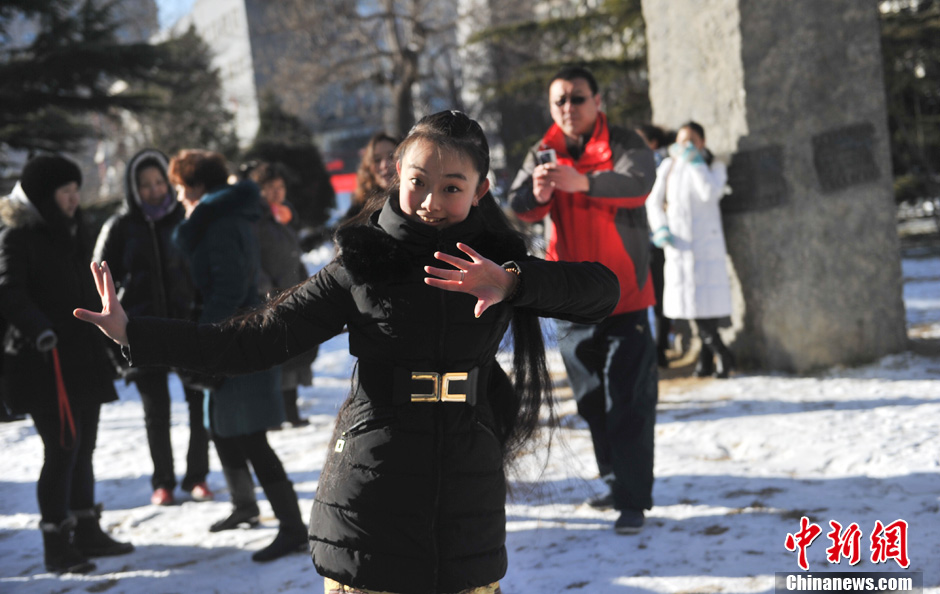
[685, 217]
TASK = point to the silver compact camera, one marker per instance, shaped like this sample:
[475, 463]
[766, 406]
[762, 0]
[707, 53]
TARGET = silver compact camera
[546, 156]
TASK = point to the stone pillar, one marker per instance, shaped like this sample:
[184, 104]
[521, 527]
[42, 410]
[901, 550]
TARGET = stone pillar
[791, 96]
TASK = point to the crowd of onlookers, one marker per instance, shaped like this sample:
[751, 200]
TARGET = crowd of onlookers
[200, 273]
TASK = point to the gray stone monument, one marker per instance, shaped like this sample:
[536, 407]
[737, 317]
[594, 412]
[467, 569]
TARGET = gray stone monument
[791, 96]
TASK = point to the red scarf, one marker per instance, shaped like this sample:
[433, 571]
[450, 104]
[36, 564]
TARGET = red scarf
[597, 155]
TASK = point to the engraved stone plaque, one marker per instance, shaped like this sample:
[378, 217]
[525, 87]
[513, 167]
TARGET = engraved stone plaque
[756, 180]
[843, 157]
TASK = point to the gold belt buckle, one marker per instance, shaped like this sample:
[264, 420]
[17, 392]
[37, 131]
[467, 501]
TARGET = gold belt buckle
[431, 376]
[446, 395]
[441, 390]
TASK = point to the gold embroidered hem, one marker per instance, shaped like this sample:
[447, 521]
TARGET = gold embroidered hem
[334, 587]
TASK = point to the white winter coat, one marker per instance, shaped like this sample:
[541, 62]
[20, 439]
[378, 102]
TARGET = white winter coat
[685, 198]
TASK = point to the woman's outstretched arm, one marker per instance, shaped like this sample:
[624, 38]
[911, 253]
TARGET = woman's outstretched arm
[583, 292]
[112, 320]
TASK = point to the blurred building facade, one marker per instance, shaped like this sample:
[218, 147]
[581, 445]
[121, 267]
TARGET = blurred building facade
[255, 46]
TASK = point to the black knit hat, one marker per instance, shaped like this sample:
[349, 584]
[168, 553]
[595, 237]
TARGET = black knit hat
[45, 174]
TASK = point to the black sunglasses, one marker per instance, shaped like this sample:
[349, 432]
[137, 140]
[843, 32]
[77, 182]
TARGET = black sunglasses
[575, 100]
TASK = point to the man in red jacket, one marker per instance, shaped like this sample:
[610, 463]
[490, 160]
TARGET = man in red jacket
[592, 180]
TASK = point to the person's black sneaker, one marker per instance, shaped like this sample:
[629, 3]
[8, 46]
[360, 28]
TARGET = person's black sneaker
[630, 521]
[605, 501]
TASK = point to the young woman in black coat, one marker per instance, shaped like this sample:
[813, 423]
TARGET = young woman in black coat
[152, 278]
[54, 369]
[412, 495]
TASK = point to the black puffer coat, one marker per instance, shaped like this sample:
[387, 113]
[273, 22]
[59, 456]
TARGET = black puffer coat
[412, 496]
[150, 273]
[44, 275]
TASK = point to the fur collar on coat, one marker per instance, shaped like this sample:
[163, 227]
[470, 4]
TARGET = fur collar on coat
[16, 210]
[384, 248]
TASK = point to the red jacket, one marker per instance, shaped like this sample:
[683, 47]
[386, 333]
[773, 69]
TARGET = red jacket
[606, 224]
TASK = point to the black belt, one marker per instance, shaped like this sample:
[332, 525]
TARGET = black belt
[416, 386]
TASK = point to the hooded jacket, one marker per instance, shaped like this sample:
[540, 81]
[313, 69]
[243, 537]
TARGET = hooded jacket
[219, 240]
[606, 224]
[151, 274]
[412, 495]
[44, 276]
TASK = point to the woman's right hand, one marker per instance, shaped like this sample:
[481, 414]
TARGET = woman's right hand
[112, 320]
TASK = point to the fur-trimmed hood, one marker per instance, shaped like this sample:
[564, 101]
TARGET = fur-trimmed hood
[16, 210]
[382, 249]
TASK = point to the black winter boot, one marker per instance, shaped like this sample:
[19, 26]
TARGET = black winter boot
[60, 556]
[292, 533]
[291, 412]
[91, 540]
[705, 366]
[242, 490]
[708, 332]
[725, 360]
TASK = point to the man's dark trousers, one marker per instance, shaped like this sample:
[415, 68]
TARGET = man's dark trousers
[612, 370]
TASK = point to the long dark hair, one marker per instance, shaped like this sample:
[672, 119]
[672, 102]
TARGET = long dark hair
[516, 417]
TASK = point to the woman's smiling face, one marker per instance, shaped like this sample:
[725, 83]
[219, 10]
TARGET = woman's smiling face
[438, 186]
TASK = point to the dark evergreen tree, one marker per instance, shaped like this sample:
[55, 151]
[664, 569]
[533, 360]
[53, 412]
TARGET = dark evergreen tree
[278, 125]
[284, 138]
[526, 51]
[191, 113]
[910, 36]
[59, 60]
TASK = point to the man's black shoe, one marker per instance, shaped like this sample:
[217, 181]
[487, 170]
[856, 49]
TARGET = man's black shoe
[630, 521]
[601, 501]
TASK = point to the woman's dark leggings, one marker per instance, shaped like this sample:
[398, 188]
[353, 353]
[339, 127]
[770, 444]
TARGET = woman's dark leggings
[237, 452]
[67, 479]
[708, 333]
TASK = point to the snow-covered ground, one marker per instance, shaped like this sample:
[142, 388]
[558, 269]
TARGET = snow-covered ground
[738, 463]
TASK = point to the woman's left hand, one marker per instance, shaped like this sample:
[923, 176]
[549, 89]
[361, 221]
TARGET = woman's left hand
[112, 320]
[486, 280]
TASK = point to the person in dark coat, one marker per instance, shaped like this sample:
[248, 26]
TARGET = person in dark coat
[282, 268]
[218, 236]
[153, 278]
[53, 368]
[412, 495]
